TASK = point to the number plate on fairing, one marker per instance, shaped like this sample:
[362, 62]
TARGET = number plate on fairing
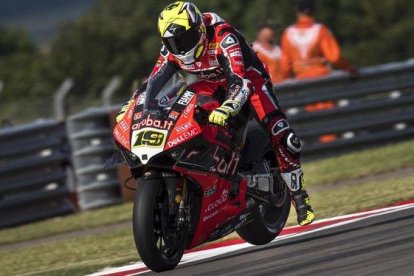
[148, 142]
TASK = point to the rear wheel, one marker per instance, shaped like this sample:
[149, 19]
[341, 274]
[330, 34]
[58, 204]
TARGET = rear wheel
[270, 218]
[159, 243]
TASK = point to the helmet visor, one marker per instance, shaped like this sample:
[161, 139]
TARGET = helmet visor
[184, 42]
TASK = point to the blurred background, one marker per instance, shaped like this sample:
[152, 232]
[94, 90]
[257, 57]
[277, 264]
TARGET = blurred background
[59, 58]
[44, 42]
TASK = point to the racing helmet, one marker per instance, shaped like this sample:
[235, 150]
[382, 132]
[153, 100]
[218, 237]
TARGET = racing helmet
[182, 31]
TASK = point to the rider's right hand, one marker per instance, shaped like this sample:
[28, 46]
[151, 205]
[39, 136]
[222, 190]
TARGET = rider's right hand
[124, 109]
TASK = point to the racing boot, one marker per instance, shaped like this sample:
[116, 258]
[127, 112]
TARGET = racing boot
[288, 148]
[300, 197]
[305, 214]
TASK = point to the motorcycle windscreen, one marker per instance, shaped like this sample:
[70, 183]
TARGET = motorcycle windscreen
[150, 132]
[160, 95]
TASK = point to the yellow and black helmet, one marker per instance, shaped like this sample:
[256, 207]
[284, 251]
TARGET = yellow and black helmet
[182, 30]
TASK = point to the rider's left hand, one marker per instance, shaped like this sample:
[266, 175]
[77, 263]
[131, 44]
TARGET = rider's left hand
[220, 115]
[124, 109]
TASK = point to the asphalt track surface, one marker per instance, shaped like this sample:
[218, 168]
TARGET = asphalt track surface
[382, 245]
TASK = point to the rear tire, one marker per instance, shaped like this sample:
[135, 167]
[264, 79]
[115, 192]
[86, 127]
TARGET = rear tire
[159, 248]
[269, 219]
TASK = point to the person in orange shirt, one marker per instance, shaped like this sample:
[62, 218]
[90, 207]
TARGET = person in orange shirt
[309, 48]
[269, 52]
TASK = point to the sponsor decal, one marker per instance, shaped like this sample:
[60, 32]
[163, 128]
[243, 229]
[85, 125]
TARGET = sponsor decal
[294, 182]
[164, 100]
[173, 115]
[218, 202]
[222, 165]
[188, 66]
[149, 122]
[123, 126]
[141, 98]
[213, 62]
[212, 215]
[129, 114]
[226, 230]
[121, 139]
[236, 54]
[234, 89]
[229, 41]
[279, 126]
[137, 115]
[185, 99]
[198, 63]
[212, 52]
[238, 225]
[183, 127]
[159, 63]
[210, 190]
[211, 74]
[187, 110]
[293, 143]
[213, 46]
[149, 138]
[183, 137]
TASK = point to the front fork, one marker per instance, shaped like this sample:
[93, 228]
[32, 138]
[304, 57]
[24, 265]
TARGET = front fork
[177, 199]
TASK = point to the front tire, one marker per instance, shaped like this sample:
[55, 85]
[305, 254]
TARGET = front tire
[159, 247]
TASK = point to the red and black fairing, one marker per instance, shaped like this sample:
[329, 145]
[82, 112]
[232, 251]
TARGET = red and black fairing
[205, 154]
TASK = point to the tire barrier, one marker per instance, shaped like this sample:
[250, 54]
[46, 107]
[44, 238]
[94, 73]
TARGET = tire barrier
[34, 165]
[91, 142]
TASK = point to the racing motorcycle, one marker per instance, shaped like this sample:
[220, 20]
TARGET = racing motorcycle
[196, 182]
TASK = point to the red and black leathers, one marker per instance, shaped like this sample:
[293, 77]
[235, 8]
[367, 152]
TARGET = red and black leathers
[229, 69]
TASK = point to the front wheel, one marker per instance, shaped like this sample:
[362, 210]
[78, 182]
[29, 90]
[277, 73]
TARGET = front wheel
[270, 218]
[158, 241]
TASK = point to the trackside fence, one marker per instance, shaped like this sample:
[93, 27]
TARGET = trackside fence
[90, 136]
[374, 109]
[34, 165]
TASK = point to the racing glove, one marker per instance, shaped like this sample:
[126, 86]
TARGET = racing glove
[124, 109]
[220, 115]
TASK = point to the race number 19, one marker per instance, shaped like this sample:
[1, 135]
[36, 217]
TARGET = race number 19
[149, 138]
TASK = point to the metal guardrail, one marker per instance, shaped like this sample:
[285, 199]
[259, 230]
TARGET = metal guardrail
[376, 108]
[91, 142]
[34, 159]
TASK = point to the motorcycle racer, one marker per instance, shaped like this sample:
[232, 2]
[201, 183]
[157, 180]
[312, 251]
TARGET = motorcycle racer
[205, 45]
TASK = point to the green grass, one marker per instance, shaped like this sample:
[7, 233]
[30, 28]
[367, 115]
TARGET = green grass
[359, 164]
[75, 253]
[77, 256]
[350, 166]
[79, 221]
